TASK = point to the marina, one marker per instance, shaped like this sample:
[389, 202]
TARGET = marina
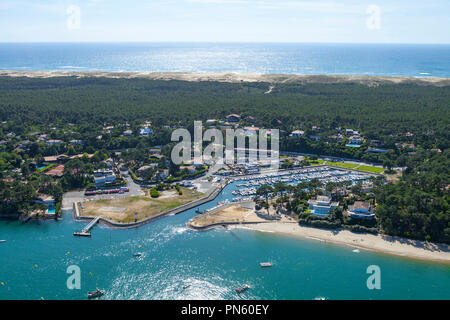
[247, 186]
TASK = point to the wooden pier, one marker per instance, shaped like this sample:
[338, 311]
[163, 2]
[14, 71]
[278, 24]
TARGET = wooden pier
[85, 232]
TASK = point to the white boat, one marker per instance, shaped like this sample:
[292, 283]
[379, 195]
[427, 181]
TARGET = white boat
[265, 264]
[243, 288]
[2, 240]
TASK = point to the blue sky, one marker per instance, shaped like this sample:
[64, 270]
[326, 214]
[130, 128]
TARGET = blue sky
[361, 21]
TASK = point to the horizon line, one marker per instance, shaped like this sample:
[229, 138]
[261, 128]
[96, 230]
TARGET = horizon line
[221, 42]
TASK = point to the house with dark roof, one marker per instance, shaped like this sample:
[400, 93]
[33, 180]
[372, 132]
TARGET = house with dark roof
[233, 117]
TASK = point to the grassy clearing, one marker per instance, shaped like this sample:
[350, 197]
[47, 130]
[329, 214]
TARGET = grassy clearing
[370, 169]
[355, 166]
[124, 209]
[342, 164]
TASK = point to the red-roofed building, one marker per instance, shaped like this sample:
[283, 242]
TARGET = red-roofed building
[56, 171]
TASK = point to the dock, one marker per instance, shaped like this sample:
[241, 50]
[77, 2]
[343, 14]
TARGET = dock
[85, 232]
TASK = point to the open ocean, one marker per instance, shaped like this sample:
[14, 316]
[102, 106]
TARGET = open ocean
[178, 263]
[306, 59]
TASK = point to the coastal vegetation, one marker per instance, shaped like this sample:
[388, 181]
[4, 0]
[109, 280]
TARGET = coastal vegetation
[56, 132]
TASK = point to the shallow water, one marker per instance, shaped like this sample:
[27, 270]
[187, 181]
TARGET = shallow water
[178, 263]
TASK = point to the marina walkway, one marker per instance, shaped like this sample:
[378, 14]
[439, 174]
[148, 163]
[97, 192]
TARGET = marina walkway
[85, 232]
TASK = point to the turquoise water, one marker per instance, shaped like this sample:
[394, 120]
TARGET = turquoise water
[178, 263]
[294, 58]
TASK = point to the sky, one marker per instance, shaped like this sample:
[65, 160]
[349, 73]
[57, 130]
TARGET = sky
[346, 21]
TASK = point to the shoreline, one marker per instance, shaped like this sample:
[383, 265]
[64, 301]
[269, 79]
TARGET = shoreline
[391, 245]
[236, 78]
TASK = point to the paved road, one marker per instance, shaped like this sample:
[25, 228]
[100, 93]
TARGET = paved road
[78, 196]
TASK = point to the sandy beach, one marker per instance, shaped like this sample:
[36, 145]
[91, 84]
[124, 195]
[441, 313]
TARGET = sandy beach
[236, 216]
[386, 244]
[372, 81]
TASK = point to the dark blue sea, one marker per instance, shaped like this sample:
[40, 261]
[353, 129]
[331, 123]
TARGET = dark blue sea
[266, 58]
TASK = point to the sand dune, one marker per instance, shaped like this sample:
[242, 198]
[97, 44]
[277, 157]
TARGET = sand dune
[235, 78]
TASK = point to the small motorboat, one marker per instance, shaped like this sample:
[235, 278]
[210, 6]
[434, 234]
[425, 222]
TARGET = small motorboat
[265, 264]
[95, 294]
[243, 288]
[137, 254]
[2, 240]
[320, 298]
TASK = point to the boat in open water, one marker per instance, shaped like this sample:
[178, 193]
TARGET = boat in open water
[243, 288]
[265, 264]
[2, 240]
[95, 294]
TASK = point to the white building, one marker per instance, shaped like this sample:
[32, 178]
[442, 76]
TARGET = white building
[322, 205]
[297, 133]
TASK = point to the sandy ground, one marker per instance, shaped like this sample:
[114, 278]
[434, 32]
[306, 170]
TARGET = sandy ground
[124, 209]
[233, 213]
[386, 244]
[233, 77]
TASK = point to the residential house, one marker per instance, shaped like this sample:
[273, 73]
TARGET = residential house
[376, 150]
[48, 201]
[351, 132]
[233, 118]
[53, 142]
[337, 137]
[190, 169]
[250, 119]
[211, 122]
[77, 142]
[357, 140]
[128, 132]
[108, 129]
[251, 131]
[145, 132]
[163, 174]
[361, 210]
[322, 205]
[155, 150]
[103, 177]
[55, 171]
[297, 133]
[53, 159]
